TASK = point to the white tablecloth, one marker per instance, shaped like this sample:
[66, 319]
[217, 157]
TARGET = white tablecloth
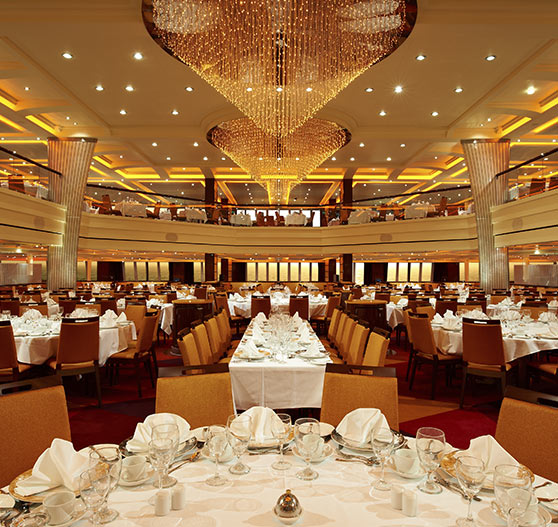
[295, 219]
[167, 314]
[193, 215]
[394, 315]
[241, 219]
[37, 350]
[131, 208]
[418, 210]
[359, 216]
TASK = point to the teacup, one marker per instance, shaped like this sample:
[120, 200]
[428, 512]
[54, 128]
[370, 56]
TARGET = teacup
[406, 461]
[133, 467]
[60, 506]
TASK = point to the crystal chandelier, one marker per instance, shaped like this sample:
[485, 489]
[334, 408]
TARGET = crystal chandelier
[278, 61]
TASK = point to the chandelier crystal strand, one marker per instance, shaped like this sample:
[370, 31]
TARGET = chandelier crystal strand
[279, 61]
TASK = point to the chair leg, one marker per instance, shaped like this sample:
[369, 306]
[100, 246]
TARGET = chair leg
[147, 363]
[463, 386]
[503, 382]
[434, 374]
[410, 363]
[155, 364]
[413, 371]
[138, 376]
[98, 383]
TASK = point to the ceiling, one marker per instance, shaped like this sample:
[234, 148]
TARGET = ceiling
[147, 137]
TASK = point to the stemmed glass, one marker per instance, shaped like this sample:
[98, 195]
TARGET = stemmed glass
[525, 518]
[430, 444]
[470, 473]
[161, 453]
[111, 458]
[512, 489]
[239, 428]
[382, 440]
[281, 429]
[217, 442]
[167, 431]
[307, 437]
[94, 485]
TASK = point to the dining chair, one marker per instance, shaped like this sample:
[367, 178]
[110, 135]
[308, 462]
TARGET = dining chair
[355, 351]
[323, 320]
[135, 313]
[222, 302]
[10, 368]
[11, 305]
[446, 305]
[496, 299]
[201, 399]
[93, 307]
[529, 433]
[67, 305]
[188, 349]
[383, 296]
[200, 293]
[31, 419]
[42, 308]
[348, 329]
[202, 343]
[217, 344]
[426, 351]
[260, 304]
[376, 348]
[344, 393]
[108, 303]
[343, 320]
[300, 305]
[483, 353]
[224, 328]
[333, 326]
[78, 350]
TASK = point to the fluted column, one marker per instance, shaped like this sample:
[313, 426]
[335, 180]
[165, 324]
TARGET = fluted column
[72, 157]
[485, 158]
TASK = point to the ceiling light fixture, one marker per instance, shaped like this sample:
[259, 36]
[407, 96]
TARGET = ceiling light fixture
[490, 58]
[402, 145]
[129, 87]
[361, 145]
[154, 143]
[174, 112]
[196, 143]
[123, 112]
[530, 90]
[138, 55]
[398, 89]
[189, 88]
[434, 114]
[420, 57]
[459, 89]
[99, 87]
[369, 90]
[382, 113]
[67, 55]
[388, 158]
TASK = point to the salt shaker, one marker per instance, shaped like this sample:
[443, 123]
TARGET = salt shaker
[178, 497]
[396, 497]
[162, 503]
[409, 503]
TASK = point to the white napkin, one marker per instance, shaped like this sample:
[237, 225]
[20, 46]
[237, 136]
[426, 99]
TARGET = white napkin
[257, 293]
[153, 302]
[304, 334]
[122, 317]
[108, 320]
[257, 336]
[50, 302]
[142, 435]
[451, 322]
[237, 297]
[58, 465]
[312, 350]
[45, 296]
[490, 451]
[437, 319]
[121, 303]
[31, 314]
[553, 303]
[260, 317]
[476, 314]
[402, 302]
[296, 318]
[262, 421]
[506, 302]
[510, 315]
[357, 425]
[249, 351]
[547, 316]
[81, 312]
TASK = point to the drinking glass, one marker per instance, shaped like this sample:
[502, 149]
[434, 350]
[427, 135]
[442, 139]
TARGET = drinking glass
[111, 458]
[525, 518]
[167, 431]
[217, 442]
[382, 440]
[470, 473]
[512, 488]
[161, 453]
[281, 429]
[239, 428]
[307, 437]
[94, 485]
[430, 444]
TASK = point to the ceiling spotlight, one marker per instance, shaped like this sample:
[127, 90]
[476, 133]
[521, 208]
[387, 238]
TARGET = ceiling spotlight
[99, 87]
[489, 119]
[398, 89]
[420, 57]
[154, 143]
[18, 250]
[352, 159]
[402, 145]
[434, 114]
[196, 143]
[458, 89]
[138, 55]
[168, 158]
[530, 90]
[205, 158]
[382, 113]
[67, 55]
[369, 90]
[248, 89]
[490, 58]
[537, 250]
[361, 145]
[174, 112]
[189, 88]
[123, 112]
[129, 87]
[308, 89]
[388, 158]
[334, 159]
[27, 88]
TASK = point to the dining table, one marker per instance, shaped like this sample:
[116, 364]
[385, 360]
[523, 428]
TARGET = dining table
[131, 208]
[242, 306]
[286, 382]
[242, 220]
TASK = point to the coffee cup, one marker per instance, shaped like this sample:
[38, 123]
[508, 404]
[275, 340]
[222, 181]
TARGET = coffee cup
[133, 467]
[406, 461]
[60, 506]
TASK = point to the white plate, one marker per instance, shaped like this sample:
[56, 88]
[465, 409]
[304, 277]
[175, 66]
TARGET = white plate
[200, 433]
[420, 473]
[79, 512]
[549, 492]
[128, 483]
[327, 450]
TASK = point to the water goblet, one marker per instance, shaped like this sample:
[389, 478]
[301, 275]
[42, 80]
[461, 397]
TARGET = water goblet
[94, 485]
[217, 442]
[382, 440]
[525, 518]
[161, 453]
[111, 458]
[167, 431]
[281, 429]
[430, 443]
[239, 428]
[470, 473]
[512, 489]
[307, 437]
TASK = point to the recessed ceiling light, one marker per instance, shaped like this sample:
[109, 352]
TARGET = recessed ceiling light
[382, 113]
[402, 145]
[490, 58]
[223, 158]
[67, 55]
[420, 57]
[388, 158]
[361, 145]
[398, 89]
[27, 88]
[369, 90]
[75, 124]
[168, 158]
[174, 112]
[99, 87]
[189, 88]
[334, 159]
[309, 89]
[123, 112]
[129, 87]
[530, 90]
[205, 158]
[248, 89]
[138, 55]
[489, 119]
[279, 89]
[154, 143]
[435, 157]
[67, 117]
[434, 114]
[352, 158]
[459, 89]
[121, 156]
[196, 143]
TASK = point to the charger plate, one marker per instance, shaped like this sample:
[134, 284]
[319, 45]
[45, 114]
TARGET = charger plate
[400, 441]
[35, 498]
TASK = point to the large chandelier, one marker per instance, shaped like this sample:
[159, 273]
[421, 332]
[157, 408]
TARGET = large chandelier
[266, 157]
[278, 61]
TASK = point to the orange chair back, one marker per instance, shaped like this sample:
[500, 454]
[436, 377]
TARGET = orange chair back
[300, 305]
[332, 302]
[79, 341]
[423, 338]
[482, 342]
[260, 304]
[10, 305]
[8, 352]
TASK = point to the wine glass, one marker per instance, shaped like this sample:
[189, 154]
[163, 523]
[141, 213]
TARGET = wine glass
[382, 440]
[512, 489]
[430, 444]
[167, 431]
[281, 429]
[94, 485]
[308, 440]
[470, 473]
[111, 458]
[161, 453]
[217, 442]
[525, 518]
[239, 428]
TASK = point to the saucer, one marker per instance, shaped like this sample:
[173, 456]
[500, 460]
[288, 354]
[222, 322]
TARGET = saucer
[77, 514]
[420, 473]
[150, 472]
[548, 492]
[327, 450]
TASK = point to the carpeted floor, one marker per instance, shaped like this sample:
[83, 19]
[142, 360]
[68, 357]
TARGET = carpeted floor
[122, 408]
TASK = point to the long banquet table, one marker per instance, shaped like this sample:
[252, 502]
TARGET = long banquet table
[279, 304]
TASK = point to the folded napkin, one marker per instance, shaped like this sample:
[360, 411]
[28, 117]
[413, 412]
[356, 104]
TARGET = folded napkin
[50, 302]
[45, 296]
[357, 425]
[553, 303]
[31, 314]
[153, 302]
[142, 435]
[58, 465]
[402, 302]
[257, 293]
[108, 320]
[122, 317]
[81, 312]
[262, 423]
[250, 351]
[71, 294]
[547, 316]
[476, 314]
[490, 451]
[451, 322]
[304, 333]
[296, 318]
[438, 319]
[260, 317]
[506, 302]
[236, 297]
[510, 315]
[312, 350]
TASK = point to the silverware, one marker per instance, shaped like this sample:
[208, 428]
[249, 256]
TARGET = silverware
[356, 456]
[369, 462]
[542, 485]
[191, 459]
[455, 488]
